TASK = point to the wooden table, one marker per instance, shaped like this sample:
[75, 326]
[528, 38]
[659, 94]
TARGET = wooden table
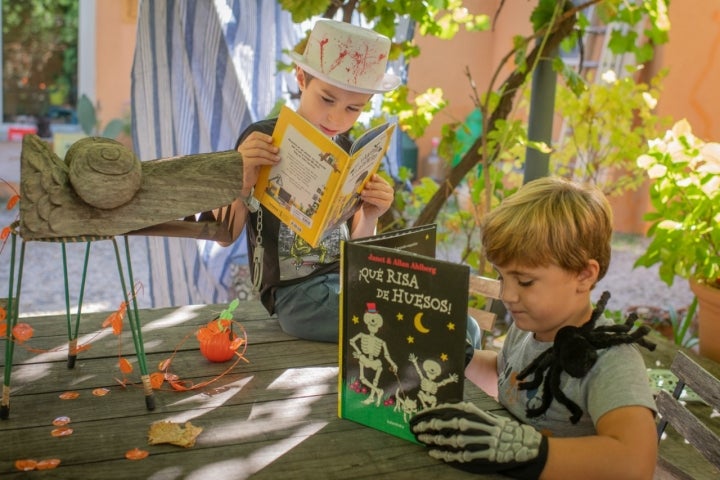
[270, 418]
[273, 416]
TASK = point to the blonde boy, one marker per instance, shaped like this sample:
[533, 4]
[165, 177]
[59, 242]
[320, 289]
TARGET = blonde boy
[550, 243]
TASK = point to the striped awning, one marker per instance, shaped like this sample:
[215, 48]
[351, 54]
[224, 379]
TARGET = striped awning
[202, 71]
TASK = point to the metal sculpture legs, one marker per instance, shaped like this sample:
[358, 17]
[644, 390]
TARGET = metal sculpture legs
[72, 328]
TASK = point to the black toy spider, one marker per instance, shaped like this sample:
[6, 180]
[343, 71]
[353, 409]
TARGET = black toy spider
[574, 351]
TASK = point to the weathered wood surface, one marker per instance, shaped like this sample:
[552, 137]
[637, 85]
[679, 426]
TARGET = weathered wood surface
[170, 189]
[677, 458]
[276, 415]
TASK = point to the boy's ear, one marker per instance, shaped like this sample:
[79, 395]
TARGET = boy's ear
[588, 276]
[300, 77]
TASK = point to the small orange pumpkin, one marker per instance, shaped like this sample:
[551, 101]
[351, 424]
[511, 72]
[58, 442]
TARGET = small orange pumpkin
[216, 338]
[217, 347]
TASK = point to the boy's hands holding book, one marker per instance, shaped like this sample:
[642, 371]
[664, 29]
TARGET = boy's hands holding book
[477, 441]
[377, 196]
[256, 150]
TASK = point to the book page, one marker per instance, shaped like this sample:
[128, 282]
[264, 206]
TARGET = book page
[362, 167]
[300, 189]
[368, 136]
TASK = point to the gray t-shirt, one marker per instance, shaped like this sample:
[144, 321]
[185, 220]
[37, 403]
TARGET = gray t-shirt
[618, 379]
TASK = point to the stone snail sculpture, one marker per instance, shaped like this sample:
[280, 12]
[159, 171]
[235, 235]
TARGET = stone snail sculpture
[102, 188]
[103, 172]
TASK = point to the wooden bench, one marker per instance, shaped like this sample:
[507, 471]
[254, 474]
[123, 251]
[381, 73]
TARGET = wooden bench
[683, 419]
[489, 288]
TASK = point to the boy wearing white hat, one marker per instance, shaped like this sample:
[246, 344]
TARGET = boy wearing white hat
[341, 68]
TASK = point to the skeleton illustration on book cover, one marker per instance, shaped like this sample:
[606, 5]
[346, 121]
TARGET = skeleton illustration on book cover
[404, 335]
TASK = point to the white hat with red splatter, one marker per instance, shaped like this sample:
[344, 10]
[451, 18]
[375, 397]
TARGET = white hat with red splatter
[348, 57]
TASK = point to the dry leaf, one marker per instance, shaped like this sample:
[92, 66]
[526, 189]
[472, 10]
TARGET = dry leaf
[173, 433]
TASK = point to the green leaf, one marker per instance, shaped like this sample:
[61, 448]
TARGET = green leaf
[86, 115]
[113, 129]
[302, 10]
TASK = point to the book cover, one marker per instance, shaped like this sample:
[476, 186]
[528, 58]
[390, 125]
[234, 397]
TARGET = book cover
[316, 185]
[420, 240]
[403, 318]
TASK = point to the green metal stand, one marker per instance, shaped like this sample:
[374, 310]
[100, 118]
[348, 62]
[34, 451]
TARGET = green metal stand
[13, 303]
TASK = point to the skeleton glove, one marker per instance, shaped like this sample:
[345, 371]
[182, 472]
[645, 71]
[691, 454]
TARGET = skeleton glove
[480, 442]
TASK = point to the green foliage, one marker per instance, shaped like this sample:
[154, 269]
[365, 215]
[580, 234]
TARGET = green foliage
[414, 116]
[39, 52]
[303, 9]
[685, 197]
[608, 124]
[87, 117]
[496, 169]
[681, 323]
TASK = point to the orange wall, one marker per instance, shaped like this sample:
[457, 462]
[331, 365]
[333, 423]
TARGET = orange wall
[115, 31]
[692, 56]
[443, 63]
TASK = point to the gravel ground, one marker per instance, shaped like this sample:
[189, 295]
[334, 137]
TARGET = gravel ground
[43, 291]
[633, 287]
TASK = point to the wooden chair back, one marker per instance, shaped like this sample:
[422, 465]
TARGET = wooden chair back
[490, 289]
[684, 421]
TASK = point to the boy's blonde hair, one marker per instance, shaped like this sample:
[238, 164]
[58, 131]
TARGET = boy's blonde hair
[550, 221]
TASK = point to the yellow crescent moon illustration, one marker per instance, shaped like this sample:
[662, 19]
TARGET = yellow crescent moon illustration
[418, 323]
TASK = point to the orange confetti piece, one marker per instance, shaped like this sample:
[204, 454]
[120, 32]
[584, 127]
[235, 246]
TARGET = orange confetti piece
[156, 380]
[48, 464]
[3, 314]
[116, 319]
[162, 366]
[3, 329]
[61, 421]
[136, 454]
[81, 348]
[69, 395]
[100, 392]
[5, 233]
[179, 386]
[22, 332]
[12, 202]
[125, 365]
[237, 343]
[61, 432]
[122, 383]
[25, 464]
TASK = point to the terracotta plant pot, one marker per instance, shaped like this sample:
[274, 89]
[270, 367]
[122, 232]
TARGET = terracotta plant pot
[708, 319]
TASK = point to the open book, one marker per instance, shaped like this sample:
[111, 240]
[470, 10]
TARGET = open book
[316, 186]
[403, 318]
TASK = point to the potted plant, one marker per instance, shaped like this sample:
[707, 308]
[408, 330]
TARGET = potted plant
[685, 224]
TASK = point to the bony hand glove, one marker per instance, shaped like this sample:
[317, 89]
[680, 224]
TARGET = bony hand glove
[480, 442]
